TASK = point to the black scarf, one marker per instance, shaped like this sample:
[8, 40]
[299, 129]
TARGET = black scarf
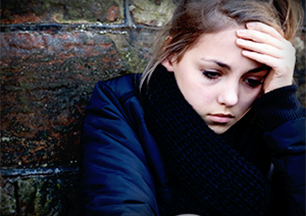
[216, 174]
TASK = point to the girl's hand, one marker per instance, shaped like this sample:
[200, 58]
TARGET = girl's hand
[266, 45]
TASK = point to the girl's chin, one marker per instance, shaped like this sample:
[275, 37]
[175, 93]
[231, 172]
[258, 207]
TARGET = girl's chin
[219, 128]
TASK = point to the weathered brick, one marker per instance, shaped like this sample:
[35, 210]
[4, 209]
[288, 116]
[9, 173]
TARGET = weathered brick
[56, 193]
[152, 12]
[77, 11]
[112, 13]
[8, 199]
[45, 89]
[300, 68]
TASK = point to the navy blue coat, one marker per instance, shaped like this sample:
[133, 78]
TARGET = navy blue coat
[122, 170]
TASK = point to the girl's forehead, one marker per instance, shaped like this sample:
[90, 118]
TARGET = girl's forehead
[221, 47]
[226, 34]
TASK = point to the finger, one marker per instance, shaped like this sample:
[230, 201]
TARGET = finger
[285, 50]
[278, 34]
[259, 48]
[279, 65]
[264, 59]
[260, 37]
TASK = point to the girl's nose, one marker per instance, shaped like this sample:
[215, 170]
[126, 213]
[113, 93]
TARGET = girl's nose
[229, 95]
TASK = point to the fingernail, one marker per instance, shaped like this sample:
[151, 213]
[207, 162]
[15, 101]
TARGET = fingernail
[240, 41]
[252, 24]
[241, 32]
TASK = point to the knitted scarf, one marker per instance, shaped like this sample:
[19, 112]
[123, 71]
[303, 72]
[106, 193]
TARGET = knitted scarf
[216, 174]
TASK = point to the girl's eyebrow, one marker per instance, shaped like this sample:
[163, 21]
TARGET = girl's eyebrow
[224, 65]
[221, 64]
[259, 69]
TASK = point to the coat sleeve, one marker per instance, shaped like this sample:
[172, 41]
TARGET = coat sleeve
[115, 175]
[284, 117]
[288, 158]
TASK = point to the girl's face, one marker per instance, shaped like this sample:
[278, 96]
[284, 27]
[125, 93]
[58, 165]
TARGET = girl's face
[216, 80]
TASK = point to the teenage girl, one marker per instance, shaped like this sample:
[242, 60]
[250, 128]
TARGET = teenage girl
[212, 126]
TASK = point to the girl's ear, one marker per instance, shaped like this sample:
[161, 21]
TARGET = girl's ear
[167, 63]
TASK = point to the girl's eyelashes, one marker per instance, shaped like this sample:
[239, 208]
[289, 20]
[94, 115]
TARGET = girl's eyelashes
[253, 83]
[211, 74]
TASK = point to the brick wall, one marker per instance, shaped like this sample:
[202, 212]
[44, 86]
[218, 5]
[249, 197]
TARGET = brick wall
[52, 54]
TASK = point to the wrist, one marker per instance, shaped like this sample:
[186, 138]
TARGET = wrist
[275, 82]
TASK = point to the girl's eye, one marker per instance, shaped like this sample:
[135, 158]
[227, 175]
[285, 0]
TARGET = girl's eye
[253, 83]
[211, 74]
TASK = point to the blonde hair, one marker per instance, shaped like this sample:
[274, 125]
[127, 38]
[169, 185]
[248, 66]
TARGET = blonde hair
[192, 18]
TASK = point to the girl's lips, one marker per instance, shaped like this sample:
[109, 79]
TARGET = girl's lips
[220, 118]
